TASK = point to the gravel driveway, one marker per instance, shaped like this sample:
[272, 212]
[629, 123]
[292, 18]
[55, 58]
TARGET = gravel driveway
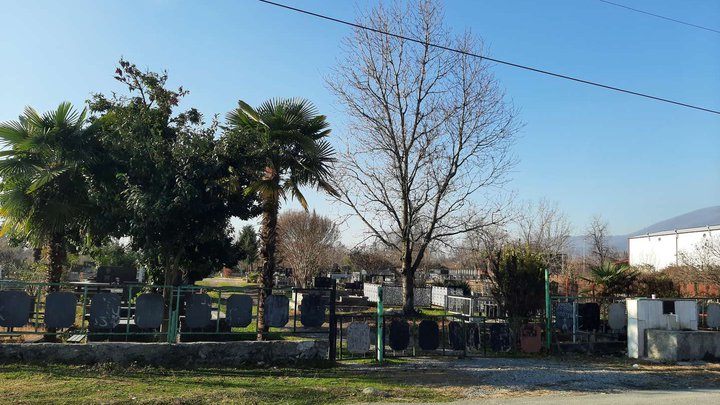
[475, 378]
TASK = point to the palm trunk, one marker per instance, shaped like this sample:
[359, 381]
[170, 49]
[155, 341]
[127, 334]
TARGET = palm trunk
[268, 237]
[56, 255]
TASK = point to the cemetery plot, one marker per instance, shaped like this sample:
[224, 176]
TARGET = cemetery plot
[428, 335]
[455, 335]
[277, 311]
[15, 308]
[616, 316]
[713, 315]
[530, 338]
[500, 337]
[312, 310]
[60, 310]
[239, 310]
[149, 310]
[104, 311]
[399, 334]
[358, 338]
[198, 311]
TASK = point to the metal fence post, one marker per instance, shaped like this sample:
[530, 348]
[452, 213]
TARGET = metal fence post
[548, 313]
[380, 332]
[332, 334]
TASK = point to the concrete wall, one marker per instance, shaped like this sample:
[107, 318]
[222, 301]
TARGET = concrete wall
[677, 345]
[225, 354]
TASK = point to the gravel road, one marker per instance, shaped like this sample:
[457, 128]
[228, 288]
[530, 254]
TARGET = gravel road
[488, 378]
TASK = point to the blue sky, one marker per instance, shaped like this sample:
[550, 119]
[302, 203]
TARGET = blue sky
[634, 161]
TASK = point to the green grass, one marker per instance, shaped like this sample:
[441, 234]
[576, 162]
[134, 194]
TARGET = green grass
[32, 384]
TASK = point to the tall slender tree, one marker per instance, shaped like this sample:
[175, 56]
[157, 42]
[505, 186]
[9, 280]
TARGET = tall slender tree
[45, 170]
[285, 139]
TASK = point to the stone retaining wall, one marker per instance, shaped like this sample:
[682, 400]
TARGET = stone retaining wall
[168, 355]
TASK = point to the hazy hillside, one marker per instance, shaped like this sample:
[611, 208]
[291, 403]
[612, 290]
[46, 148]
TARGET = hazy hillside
[692, 219]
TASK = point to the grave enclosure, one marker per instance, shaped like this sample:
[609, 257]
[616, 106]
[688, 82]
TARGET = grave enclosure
[81, 313]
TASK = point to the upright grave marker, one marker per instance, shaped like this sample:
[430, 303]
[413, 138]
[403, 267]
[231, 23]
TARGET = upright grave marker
[276, 311]
[358, 338]
[198, 311]
[149, 310]
[239, 310]
[60, 309]
[15, 308]
[104, 311]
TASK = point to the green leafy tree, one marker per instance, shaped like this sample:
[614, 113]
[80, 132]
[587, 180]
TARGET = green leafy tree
[286, 142]
[169, 186]
[46, 168]
[247, 246]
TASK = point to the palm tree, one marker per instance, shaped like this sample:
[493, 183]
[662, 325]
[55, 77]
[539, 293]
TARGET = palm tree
[613, 279]
[44, 188]
[286, 140]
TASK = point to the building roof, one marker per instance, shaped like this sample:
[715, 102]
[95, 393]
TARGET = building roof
[707, 228]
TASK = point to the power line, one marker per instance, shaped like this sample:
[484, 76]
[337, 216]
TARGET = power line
[502, 62]
[661, 16]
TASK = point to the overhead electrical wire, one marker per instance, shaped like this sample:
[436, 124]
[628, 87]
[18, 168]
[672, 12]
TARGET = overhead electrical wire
[661, 16]
[499, 61]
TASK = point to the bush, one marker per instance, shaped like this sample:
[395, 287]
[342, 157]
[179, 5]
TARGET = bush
[659, 284]
[253, 277]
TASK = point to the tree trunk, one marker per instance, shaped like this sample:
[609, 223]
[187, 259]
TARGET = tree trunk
[56, 255]
[408, 287]
[268, 237]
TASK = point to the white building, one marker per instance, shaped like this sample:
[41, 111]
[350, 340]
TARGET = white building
[667, 248]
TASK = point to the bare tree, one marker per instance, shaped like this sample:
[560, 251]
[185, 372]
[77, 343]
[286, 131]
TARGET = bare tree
[704, 258]
[430, 133]
[598, 237]
[545, 230]
[306, 244]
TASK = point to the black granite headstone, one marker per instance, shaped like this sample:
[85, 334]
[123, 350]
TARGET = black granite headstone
[276, 310]
[239, 310]
[312, 310]
[499, 337]
[198, 311]
[322, 282]
[564, 316]
[149, 311]
[589, 316]
[15, 308]
[399, 334]
[60, 310]
[428, 335]
[104, 311]
[472, 338]
[455, 335]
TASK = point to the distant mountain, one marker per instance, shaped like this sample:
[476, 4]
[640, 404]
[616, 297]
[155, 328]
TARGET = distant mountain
[692, 219]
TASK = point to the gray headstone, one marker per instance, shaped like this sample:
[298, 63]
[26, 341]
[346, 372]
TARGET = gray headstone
[149, 311]
[60, 310]
[104, 311]
[358, 338]
[564, 316]
[198, 308]
[15, 308]
[239, 310]
[713, 315]
[312, 310]
[276, 310]
[616, 316]
[428, 335]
